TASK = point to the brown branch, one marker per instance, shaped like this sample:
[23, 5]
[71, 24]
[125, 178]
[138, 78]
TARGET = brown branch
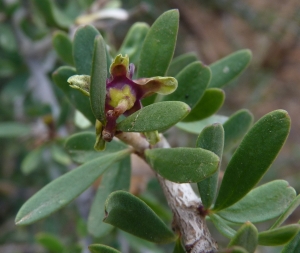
[183, 201]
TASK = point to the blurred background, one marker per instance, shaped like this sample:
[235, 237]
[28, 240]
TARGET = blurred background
[35, 117]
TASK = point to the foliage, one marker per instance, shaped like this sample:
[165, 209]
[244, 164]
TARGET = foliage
[166, 91]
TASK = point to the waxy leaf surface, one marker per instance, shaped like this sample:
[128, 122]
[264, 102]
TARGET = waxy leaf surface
[253, 157]
[211, 138]
[262, 203]
[62, 190]
[115, 178]
[229, 67]
[192, 82]
[183, 165]
[178, 247]
[63, 46]
[293, 246]
[180, 62]
[80, 147]
[153, 117]
[278, 236]
[98, 79]
[129, 213]
[159, 45]
[100, 248]
[158, 48]
[236, 127]
[83, 48]
[81, 102]
[211, 101]
[246, 237]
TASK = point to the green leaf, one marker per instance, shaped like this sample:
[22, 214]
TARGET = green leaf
[59, 154]
[178, 247]
[253, 157]
[13, 130]
[229, 67]
[236, 127]
[158, 48]
[211, 101]
[192, 82]
[154, 117]
[181, 62]
[98, 79]
[129, 213]
[234, 249]
[246, 237]
[289, 210]
[183, 165]
[83, 47]
[100, 248]
[263, 203]
[278, 236]
[221, 225]
[61, 191]
[159, 45]
[116, 178]
[53, 16]
[32, 160]
[197, 126]
[63, 46]
[50, 242]
[293, 246]
[211, 138]
[80, 146]
[81, 102]
[133, 42]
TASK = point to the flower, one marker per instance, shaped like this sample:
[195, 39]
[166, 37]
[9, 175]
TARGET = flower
[123, 95]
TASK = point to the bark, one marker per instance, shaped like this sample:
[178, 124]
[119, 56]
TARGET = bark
[184, 203]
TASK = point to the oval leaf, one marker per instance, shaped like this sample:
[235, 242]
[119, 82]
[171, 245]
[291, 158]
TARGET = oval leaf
[253, 157]
[81, 102]
[221, 225]
[129, 213]
[236, 127]
[180, 62]
[290, 209]
[133, 42]
[154, 117]
[83, 47]
[246, 237]
[80, 147]
[158, 48]
[234, 249]
[211, 138]
[63, 46]
[159, 45]
[183, 165]
[229, 67]
[196, 127]
[278, 236]
[99, 248]
[98, 79]
[116, 178]
[192, 82]
[263, 203]
[61, 191]
[211, 101]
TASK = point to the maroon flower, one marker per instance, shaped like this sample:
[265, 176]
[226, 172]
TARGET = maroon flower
[123, 95]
